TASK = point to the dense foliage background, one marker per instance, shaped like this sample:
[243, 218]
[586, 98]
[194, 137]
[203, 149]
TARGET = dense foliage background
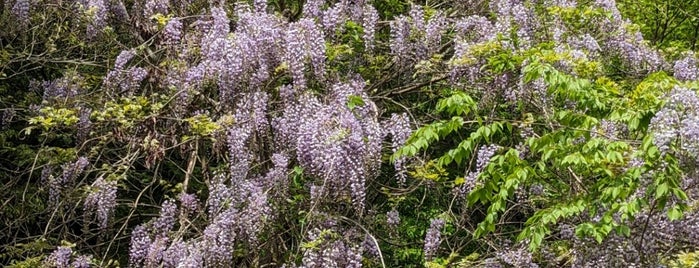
[502, 133]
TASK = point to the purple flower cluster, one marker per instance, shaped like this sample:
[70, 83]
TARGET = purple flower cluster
[676, 125]
[393, 218]
[166, 220]
[153, 245]
[153, 7]
[102, 200]
[238, 152]
[400, 32]
[305, 43]
[630, 46]
[61, 88]
[331, 251]
[370, 248]
[370, 18]
[334, 17]
[312, 8]
[123, 58]
[174, 254]
[607, 129]
[686, 69]
[7, 115]
[216, 32]
[434, 30]
[81, 261]
[172, 33]
[340, 145]
[512, 15]
[260, 5]
[57, 185]
[118, 10]
[245, 60]
[256, 213]
[474, 29]
[433, 238]
[219, 238]
[485, 153]
[286, 127]
[84, 124]
[140, 242]
[415, 38]
[516, 257]
[277, 175]
[189, 203]
[610, 7]
[469, 31]
[125, 80]
[587, 42]
[20, 11]
[398, 126]
[251, 111]
[61, 258]
[561, 3]
[98, 22]
[219, 194]
[156, 251]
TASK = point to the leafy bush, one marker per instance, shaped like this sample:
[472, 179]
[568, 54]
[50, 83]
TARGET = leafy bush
[345, 134]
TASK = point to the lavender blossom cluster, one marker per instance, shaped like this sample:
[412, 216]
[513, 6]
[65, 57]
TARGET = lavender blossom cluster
[341, 145]
[333, 248]
[59, 185]
[416, 37]
[65, 257]
[676, 126]
[485, 153]
[433, 239]
[102, 201]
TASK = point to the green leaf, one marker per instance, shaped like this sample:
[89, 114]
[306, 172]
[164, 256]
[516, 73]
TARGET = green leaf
[661, 190]
[354, 101]
[675, 213]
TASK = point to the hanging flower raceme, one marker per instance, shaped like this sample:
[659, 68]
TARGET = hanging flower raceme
[340, 144]
[102, 200]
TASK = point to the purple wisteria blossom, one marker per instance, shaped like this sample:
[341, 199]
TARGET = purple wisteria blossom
[676, 126]
[219, 238]
[140, 242]
[102, 200]
[370, 18]
[305, 44]
[485, 153]
[166, 220]
[98, 10]
[57, 185]
[433, 238]
[172, 33]
[20, 11]
[393, 218]
[686, 69]
[84, 124]
[59, 258]
[398, 126]
[189, 203]
[338, 146]
[153, 7]
[400, 32]
[331, 252]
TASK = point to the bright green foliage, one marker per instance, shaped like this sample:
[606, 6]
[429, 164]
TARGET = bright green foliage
[684, 260]
[583, 169]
